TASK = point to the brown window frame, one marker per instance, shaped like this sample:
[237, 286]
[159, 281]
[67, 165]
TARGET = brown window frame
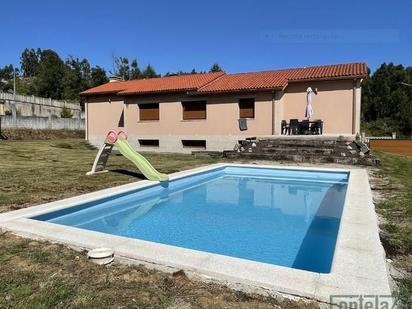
[246, 111]
[190, 112]
[194, 144]
[150, 114]
[148, 142]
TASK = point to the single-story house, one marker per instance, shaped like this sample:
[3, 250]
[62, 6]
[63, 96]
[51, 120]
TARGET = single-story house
[202, 111]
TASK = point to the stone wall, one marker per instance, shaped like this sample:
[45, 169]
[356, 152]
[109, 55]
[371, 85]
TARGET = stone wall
[29, 112]
[305, 149]
[41, 123]
[36, 106]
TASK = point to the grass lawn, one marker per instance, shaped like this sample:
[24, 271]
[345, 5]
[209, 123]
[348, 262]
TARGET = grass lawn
[396, 211]
[38, 274]
[43, 275]
[34, 172]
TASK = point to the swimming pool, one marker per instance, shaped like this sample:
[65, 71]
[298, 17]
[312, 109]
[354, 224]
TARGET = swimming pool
[284, 217]
[355, 256]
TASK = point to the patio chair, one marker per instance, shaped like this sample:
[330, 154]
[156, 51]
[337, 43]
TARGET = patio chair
[285, 128]
[294, 127]
[314, 128]
[304, 127]
[317, 127]
[321, 127]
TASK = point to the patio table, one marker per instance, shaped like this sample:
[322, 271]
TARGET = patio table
[305, 127]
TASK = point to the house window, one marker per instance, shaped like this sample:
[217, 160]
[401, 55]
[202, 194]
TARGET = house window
[247, 108]
[149, 111]
[121, 120]
[149, 142]
[198, 144]
[194, 110]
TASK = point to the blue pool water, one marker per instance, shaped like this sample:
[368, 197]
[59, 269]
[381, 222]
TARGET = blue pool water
[277, 216]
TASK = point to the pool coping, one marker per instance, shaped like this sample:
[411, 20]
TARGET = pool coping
[358, 267]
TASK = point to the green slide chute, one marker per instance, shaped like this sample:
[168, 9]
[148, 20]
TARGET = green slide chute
[141, 162]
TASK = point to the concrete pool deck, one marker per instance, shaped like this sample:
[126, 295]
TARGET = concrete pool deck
[358, 268]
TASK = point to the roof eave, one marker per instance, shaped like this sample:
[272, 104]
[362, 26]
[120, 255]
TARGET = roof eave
[88, 94]
[235, 91]
[328, 78]
[136, 93]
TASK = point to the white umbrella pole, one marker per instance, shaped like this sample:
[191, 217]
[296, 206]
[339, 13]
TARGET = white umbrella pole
[309, 109]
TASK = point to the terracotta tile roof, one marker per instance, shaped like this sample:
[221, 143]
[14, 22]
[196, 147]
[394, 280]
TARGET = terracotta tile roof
[328, 71]
[278, 79]
[108, 88]
[246, 81]
[155, 85]
[221, 82]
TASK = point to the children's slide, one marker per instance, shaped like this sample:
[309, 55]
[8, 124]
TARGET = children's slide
[119, 140]
[141, 162]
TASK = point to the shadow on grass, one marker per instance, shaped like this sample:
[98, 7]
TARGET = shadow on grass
[128, 173]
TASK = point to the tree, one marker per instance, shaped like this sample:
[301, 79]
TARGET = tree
[29, 61]
[386, 102]
[121, 67]
[135, 72]
[66, 113]
[6, 73]
[149, 72]
[72, 83]
[77, 78]
[178, 73]
[215, 68]
[98, 76]
[49, 81]
[46, 74]
[6, 78]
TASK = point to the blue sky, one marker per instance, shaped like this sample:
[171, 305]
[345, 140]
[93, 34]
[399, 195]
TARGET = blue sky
[239, 35]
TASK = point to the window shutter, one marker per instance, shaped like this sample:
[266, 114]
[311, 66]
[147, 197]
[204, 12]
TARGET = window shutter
[149, 111]
[194, 110]
[247, 108]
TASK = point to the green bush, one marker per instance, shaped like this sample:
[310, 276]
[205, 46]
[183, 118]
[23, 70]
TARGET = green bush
[66, 113]
[380, 127]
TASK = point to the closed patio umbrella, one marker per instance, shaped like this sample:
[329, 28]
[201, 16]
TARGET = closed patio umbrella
[309, 109]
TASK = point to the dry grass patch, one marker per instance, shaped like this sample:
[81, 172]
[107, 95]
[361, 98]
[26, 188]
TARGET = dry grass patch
[393, 182]
[38, 274]
[32, 134]
[35, 172]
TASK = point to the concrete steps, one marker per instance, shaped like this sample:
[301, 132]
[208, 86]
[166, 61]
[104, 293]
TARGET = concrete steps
[302, 150]
[294, 150]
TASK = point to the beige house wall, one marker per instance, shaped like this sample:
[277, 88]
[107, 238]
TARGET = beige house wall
[220, 129]
[102, 114]
[222, 115]
[335, 105]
